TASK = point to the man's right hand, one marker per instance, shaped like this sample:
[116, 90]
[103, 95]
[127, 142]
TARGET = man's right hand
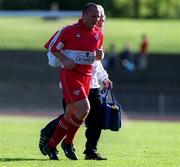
[68, 64]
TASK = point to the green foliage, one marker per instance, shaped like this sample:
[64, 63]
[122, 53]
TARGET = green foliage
[114, 8]
[44, 4]
[160, 9]
[121, 8]
[145, 8]
[137, 144]
[18, 4]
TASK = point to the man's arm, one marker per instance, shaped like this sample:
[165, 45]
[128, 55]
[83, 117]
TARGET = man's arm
[102, 75]
[55, 45]
[99, 50]
[68, 64]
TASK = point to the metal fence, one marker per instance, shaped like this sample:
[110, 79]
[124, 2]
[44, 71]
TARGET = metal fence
[27, 83]
[149, 102]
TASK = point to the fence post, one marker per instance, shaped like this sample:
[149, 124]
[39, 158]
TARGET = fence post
[161, 104]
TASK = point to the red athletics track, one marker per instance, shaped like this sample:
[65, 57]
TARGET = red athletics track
[43, 113]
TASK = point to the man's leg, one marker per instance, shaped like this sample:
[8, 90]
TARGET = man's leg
[92, 135]
[75, 121]
[47, 132]
[68, 125]
[75, 94]
[93, 130]
[58, 135]
[50, 127]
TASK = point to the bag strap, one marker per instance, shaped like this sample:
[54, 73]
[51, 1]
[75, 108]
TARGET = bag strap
[105, 93]
[112, 95]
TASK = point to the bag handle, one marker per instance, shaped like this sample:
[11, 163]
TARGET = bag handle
[112, 95]
[105, 92]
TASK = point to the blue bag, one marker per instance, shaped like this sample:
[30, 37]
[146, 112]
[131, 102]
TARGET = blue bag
[110, 112]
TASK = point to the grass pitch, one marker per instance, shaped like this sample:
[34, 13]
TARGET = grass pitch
[137, 144]
[31, 33]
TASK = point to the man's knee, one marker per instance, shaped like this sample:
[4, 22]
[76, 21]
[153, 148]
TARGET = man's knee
[82, 107]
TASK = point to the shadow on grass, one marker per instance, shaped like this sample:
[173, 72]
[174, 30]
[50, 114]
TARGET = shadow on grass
[21, 159]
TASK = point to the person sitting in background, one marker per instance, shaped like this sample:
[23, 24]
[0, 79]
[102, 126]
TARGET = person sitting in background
[109, 61]
[143, 54]
[127, 58]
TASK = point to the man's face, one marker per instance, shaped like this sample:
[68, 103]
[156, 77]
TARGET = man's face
[100, 22]
[91, 17]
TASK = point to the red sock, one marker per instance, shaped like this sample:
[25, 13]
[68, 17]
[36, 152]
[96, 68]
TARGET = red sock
[59, 133]
[74, 125]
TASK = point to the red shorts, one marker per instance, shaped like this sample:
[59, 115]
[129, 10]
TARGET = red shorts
[75, 85]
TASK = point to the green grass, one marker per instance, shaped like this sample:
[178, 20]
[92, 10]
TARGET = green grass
[32, 32]
[137, 144]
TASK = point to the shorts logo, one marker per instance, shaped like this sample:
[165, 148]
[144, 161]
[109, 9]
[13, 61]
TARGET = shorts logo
[76, 92]
[78, 35]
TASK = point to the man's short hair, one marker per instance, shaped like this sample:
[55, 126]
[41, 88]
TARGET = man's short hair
[88, 6]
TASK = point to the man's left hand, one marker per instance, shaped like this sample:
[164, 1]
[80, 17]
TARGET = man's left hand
[99, 54]
[107, 83]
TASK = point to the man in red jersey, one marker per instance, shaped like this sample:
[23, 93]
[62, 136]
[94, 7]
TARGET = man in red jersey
[77, 46]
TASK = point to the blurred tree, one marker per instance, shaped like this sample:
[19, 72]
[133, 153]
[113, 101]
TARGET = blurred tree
[66, 5]
[1, 4]
[113, 8]
[136, 5]
[160, 9]
[121, 8]
[19, 4]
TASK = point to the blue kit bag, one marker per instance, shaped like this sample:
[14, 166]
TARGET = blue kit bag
[110, 112]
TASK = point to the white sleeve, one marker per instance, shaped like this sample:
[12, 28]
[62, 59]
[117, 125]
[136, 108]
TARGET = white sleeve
[101, 72]
[52, 60]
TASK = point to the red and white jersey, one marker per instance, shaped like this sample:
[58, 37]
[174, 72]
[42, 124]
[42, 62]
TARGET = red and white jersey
[78, 44]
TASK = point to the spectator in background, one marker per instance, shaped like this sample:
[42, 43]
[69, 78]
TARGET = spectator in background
[110, 58]
[54, 6]
[127, 58]
[143, 54]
